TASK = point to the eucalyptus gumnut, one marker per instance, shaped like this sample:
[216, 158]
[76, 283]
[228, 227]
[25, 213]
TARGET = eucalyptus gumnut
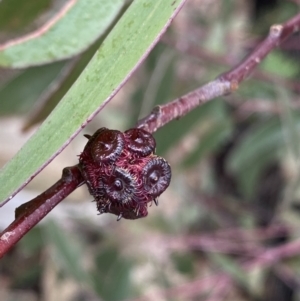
[122, 172]
[106, 145]
[140, 142]
[120, 186]
[156, 176]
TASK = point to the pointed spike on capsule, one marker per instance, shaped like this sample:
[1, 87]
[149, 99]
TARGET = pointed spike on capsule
[156, 201]
[120, 216]
[87, 136]
[138, 211]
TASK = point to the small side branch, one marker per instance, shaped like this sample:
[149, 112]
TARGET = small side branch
[226, 83]
[161, 115]
[30, 213]
[277, 34]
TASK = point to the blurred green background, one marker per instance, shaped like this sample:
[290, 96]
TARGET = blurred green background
[235, 164]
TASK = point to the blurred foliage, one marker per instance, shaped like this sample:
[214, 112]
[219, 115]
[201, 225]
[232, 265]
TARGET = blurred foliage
[81, 22]
[14, 20]
[235, 163]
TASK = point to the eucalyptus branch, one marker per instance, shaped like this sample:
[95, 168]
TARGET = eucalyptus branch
[227, 61]
[226, 83]
[32, 212]
[269, 257]
[122, 173]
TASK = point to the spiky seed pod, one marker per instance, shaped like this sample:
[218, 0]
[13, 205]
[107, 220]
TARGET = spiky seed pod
[122, 172]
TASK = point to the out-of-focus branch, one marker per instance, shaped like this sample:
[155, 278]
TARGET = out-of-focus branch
[224, 281]
[30, 213]
[224, 84]
[184, 291]
[223, 60]
[268, 258]
[247, 243]
[278, 33]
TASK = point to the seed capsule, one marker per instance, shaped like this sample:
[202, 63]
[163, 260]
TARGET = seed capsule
[120, 186]
[156, 176]
[140, 142]
[106, 145]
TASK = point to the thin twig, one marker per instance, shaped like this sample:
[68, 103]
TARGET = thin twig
[161, 115]
[274, 255]
[184, 291]
[224, 84]
[246, 243]
[205, 55]
[220, 290]
[267, 258]
[30, 213]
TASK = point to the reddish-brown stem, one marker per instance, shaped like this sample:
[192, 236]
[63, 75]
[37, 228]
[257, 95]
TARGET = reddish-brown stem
[186, 291]
[30, 213]
[278, 33]
[224, 84]
[191, 50]
[162, 115]
[189, 290]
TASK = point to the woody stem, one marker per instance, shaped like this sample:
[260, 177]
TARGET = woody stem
[30, 213]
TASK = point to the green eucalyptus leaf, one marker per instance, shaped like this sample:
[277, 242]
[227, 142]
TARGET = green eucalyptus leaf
[260, 145]
[173, 132]
[17, 15]
[68, 251]
[75, 26]
[263, 138]
[211, 140]
[230, 266]
[111, 271]
[21, 92]
[280, 64]
[77, 65]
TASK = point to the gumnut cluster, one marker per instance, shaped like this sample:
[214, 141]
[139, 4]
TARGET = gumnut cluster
[122, 172]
